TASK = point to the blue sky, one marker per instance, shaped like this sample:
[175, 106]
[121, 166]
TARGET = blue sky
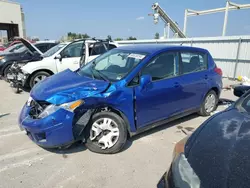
[54, 18]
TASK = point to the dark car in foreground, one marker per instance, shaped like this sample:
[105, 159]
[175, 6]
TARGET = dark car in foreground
[122, 92]
[217, 154]
[29, 52]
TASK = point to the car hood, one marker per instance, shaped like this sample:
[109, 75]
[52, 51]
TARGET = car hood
[220, 152]
[67, 86]
[30, 46]
[10, 54]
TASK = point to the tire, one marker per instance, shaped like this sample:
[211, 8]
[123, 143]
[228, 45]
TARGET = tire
[204, 110]
[16, 89]
[40, 74]
[5, 72]
[117, 122]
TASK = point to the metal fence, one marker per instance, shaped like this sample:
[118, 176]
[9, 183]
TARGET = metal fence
[231, 54]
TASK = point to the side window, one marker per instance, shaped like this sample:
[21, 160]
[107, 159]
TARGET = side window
[111, 46]
[42, 47]
[193, 62]
[135, 81]
[98, 48]
[73, 50]
[163, 66]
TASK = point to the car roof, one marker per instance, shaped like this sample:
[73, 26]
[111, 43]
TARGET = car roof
[50, 42]
[154, 48]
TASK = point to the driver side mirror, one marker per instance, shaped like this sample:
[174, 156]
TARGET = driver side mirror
[145, 80]
[58, 56]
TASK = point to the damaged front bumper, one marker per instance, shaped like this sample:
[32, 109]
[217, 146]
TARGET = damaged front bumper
[56, 130]
[17, 79]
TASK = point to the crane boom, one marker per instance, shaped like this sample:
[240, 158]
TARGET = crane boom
[173, 26]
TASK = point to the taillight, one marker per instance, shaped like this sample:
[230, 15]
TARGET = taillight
[218, 71]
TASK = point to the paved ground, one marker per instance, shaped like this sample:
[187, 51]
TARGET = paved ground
[140, 165]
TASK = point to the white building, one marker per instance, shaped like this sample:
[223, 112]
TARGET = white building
[12, 19]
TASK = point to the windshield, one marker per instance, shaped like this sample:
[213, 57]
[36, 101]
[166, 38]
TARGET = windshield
[113, 65]
[22, 49]
[14, 48]
[53, 50]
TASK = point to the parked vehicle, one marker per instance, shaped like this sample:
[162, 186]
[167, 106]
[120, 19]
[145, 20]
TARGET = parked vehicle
[15, 75]
[2, 48]
[28, 52]
[216, 154]
[71, 56]
[12, 48]
[123, 92]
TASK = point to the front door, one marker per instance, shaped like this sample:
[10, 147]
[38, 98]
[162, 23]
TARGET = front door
[160, 98]
[70, 57]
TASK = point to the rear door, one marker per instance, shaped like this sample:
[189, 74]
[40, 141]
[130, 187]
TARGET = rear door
[194, 78]
[70, 56]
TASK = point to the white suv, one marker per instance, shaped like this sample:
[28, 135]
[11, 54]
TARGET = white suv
[64, 56]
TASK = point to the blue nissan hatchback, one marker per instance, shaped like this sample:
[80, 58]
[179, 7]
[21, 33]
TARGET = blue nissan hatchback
[121, 93]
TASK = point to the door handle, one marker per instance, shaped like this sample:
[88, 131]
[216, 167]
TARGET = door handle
[176, 84]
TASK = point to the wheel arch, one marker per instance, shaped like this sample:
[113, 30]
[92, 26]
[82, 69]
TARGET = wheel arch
[119, 113]
[6, 64]
[39, 70]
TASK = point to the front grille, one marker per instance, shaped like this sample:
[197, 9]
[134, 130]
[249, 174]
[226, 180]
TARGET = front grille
[37, 107]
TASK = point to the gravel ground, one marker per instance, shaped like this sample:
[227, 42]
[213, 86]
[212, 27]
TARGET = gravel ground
[142, 163]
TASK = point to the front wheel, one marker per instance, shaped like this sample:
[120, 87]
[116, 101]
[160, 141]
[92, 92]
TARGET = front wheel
[107, 133]
[209, 104]
[6, 72]
[38, 77]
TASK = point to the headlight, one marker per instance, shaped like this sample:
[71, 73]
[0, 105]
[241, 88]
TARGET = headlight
[71, 106]
[49, 110]
[183, 173]
[29, 101]
[1, 57]
[24, 71]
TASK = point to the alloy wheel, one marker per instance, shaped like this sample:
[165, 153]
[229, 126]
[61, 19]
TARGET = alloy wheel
[39, 78]
[104, 132]
[210, 103]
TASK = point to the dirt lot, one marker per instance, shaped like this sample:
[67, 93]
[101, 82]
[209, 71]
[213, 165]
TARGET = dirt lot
[141, 164]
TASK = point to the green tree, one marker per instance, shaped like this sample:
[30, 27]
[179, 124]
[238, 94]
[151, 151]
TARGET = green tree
[118, 39]
[131, 38]
[157, 35]
[72, 36]
[85, 36]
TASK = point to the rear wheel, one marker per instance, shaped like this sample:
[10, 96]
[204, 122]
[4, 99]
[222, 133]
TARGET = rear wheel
[209, 104]
[107, 133]
[38, 77]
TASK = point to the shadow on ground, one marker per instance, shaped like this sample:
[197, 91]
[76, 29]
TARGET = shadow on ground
[74, 148]
[160, 128]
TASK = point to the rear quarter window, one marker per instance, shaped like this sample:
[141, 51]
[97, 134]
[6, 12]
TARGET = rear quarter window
[193, 62]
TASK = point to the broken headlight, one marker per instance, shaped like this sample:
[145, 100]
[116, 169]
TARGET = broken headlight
[183, 173]
[71, 106]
